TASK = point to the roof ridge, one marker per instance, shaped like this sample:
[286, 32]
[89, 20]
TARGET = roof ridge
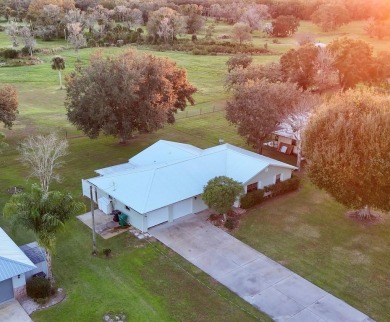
[149, 189]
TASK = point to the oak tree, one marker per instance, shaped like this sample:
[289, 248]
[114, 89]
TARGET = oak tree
[258, 107]
[126, 94]
[8, 105]
[347, 147]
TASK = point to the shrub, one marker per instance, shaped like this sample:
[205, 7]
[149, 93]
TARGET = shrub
[38, 287]
[10, 53]
[283, 186]
[107, 252]
[251, 199]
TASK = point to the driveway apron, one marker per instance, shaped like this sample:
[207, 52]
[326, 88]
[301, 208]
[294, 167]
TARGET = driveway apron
[269, 286]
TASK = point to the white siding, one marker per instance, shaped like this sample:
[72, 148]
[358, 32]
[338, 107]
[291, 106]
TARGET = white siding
[181, 208]
[198, 204]
[18, 281]
[266, 178]
[134, 218]
[157, 217]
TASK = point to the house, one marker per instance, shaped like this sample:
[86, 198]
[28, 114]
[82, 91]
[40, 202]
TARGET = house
[285, 140]
[165, 181]
[14, 265]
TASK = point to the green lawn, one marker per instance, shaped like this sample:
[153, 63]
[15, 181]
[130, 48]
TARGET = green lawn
[309, 233]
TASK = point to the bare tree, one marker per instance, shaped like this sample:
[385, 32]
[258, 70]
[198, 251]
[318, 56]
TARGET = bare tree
[76, 36]
[326, 75]
[28, 39]
[297, 119]
[12, 31]
[241, 32]
[43, 154]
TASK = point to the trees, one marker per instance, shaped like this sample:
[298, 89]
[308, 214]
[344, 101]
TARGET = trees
[76, 36]
[258, 106]
[126, 94]
[348, 149]
[330, 16]
[241, 32]
[377, 28]
[8, 105]
[28, 39]
[254, 16]
[239, 60]
[353, 60]
[58, 63]
[195, 20]
[166, 23]
[220, 194]
[44, 213]
[12, 31]
[43, 155]
[298, 65]
[284, 26]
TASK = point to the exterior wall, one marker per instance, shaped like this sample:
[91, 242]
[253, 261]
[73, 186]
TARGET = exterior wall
[283, 139]
[266, 178]
[41, 267]
[157, 216]
[181, 208]
[198, 204]
[19, 284]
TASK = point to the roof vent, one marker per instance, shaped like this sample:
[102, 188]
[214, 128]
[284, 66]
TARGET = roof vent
[221, 141]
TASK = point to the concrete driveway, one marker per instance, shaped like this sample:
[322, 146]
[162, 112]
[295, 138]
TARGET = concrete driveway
[13, 312]
[269, 286]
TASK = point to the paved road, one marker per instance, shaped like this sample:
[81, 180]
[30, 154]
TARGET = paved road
[269, 286]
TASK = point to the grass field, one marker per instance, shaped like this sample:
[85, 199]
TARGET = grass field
[305, 231]
[309, 233]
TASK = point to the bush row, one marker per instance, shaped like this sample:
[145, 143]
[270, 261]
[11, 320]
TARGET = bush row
[256, 197]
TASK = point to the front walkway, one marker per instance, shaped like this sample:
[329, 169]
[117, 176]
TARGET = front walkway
[13, 312]
[269, 286]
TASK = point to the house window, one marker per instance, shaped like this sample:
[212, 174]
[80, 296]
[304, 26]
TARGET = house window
[277, 178]
[251, 187]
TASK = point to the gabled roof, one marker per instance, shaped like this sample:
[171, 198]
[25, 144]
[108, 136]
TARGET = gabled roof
[154, 186]
[13, 261]
[34, 252]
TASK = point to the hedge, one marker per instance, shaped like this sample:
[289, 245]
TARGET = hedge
[38, 287]
[256, 197]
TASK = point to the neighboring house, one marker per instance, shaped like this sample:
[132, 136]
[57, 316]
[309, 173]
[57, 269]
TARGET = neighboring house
[165, 181]
[37, 255]
[285, 140]
[14, 265]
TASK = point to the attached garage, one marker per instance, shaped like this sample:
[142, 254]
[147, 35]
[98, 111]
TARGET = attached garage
[7, 290]
[181, 208]
[157, 217]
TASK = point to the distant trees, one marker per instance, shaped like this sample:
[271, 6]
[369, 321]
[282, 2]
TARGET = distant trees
[347, 148]
[331, 15]
[194, 19]
[126, 94]
[58, 63]
[298, 65]
[28, 39]
[220, 194]
[376, 28]
[239, 60]
[43, 154]
[8, 105]
[353, 60]
[258, 106]
[13, 32]
[76, 36]
[284, 26]
[241, 32]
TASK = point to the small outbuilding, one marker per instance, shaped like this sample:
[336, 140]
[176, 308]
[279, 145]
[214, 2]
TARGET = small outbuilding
[166, 180]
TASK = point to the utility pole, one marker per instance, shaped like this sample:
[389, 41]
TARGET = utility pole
[94, 249]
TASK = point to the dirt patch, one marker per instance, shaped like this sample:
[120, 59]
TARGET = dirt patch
[375, 218]
[232, 220]
[355, 257]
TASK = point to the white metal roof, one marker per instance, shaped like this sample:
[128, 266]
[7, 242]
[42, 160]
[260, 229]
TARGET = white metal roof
[12, 259]
[155, 186]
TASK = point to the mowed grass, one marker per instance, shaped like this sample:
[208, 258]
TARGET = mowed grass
[308, 232]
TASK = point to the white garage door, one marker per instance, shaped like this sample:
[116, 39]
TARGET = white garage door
[181, 208]
[6, 290]
[157, 217]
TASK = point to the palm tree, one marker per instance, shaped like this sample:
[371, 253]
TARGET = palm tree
[42, 213]
[58, 63]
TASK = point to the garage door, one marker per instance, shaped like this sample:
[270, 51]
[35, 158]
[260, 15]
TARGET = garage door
[157, 217]
[6, 290]
[181, 208]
